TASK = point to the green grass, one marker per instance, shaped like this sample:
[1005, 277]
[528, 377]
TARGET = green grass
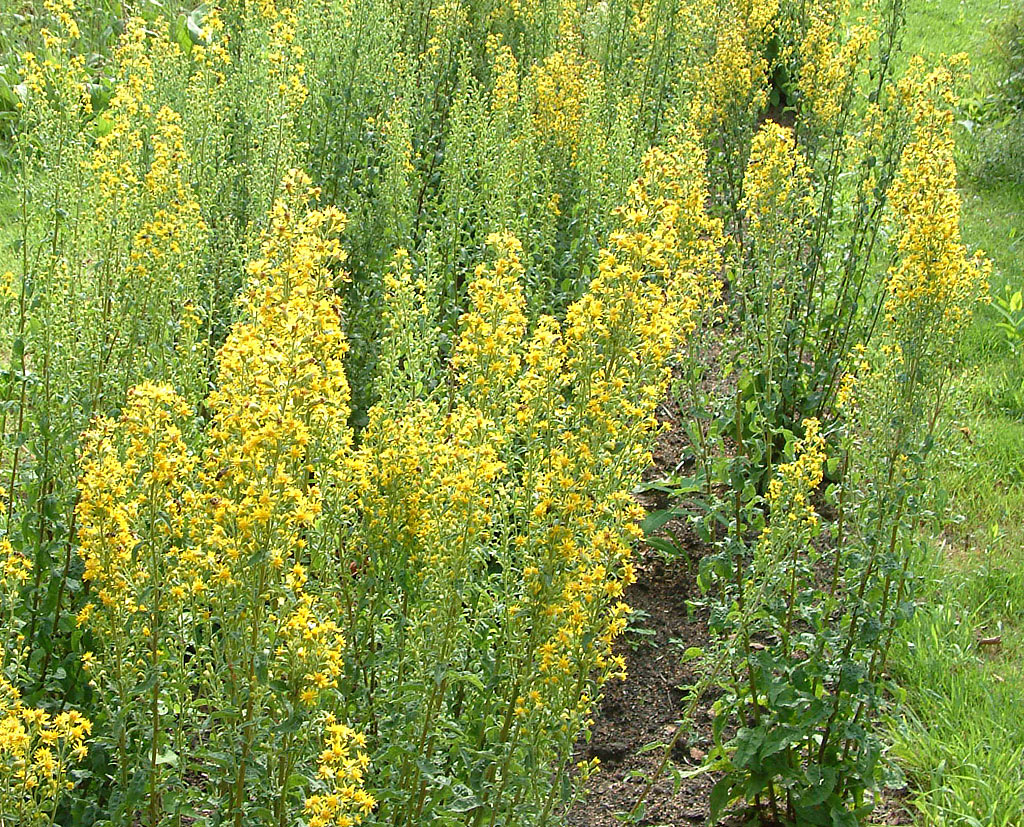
[944, 27]
[958, 735]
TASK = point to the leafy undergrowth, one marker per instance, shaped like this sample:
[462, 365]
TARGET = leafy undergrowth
[638, 718]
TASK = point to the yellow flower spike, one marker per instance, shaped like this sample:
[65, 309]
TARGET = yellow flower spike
[488, 356]
[934, 286]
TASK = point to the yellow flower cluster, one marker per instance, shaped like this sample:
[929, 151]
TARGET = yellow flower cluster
[55, 85]
[37, 751]
[343, 766]
[424, 481]
[561, 83]
[285, 56]
[14, 567]
[776, 205]
[521, 12]
[777, 181]
[789, 492]
[732, 85]
[447, 21]
[505, 68]
[210, 53]
[848, 394]
[309, 648]
[280, 411]
[174, 225]
[831, 58]
[170, 539]
[63, 11]
[115, 159]
[487, 358]
[134, 472]
[493, 528]
[665, 234]
[608, 360]
[935, 285]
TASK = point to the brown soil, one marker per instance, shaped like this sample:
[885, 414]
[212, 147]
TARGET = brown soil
[644, 709]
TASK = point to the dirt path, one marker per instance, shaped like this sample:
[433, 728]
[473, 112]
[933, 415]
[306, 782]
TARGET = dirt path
[643, 709]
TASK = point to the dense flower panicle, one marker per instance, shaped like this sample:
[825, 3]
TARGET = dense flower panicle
[488, 357]
[63, 11]
[135, 472]
[776, 207]
[850, 390]
[285, 55]
[522, 12]
[777, 181]
[133, 175]
[832, 58]
[37, 753]
[657, 277]
[789, 492]
[505, 67]
[501, 522]
[424, 481]
[540, 384]
[342, 772]
[310, 647]
[280, 412]
[561, 83]
[448, 19]
[175, 543]
[37, 749]
[735, 75]
[210, 53]
[761, 17]
[115, 160]
[174, 226]
[14, 568]
[935, 285]
[587, 396]
[56, 83]
[665, 228]
[733, 84]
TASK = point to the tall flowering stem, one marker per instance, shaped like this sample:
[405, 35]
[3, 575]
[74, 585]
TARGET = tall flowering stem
[199, 561]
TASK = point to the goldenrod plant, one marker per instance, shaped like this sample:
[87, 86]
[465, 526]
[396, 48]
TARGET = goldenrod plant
[807, 607]
[211, 653]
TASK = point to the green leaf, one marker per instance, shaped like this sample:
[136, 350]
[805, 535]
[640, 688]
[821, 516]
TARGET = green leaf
[655, 520]
[841, 817]
[721, 795]
[778, 739]
[180, 33]
[168, 757]
[465, 804]
[747, 743]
